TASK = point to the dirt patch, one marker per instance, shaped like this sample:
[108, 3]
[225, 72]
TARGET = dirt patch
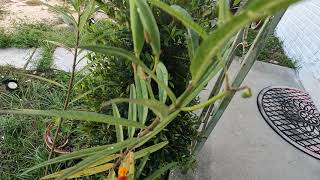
[14, 11]
[34, 2]
[31, 11]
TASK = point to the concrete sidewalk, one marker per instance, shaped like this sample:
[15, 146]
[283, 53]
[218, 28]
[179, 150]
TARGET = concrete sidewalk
[244, 147]
[62, 58]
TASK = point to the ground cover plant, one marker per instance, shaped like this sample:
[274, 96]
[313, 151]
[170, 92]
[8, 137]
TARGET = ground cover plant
[152, 104]
[272, 52]
[36, 35]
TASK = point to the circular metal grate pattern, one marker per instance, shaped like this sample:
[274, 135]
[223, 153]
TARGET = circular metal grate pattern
[292, 114]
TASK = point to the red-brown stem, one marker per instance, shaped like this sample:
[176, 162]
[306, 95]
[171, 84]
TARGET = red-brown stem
[68, 95]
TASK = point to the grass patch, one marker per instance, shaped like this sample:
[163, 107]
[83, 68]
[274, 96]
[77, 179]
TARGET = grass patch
[21, 144]
[21, 137]
[46, 60]
[272, 52]
[37, 35]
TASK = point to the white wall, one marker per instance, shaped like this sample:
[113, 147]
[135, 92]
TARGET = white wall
[299, 29]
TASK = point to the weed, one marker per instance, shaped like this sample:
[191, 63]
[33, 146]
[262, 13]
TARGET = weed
[33, 2]
[36, 36]
[272, 52]
[21, 144]
[4, 39]
[29, 35]
[46, 60]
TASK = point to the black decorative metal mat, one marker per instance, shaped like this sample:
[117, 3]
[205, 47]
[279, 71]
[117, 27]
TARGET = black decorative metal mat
[293, 115]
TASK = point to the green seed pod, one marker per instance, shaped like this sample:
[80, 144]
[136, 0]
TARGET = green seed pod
[150, 26]
[247, 93]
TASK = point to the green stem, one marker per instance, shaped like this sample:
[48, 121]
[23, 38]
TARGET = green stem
[248, 62]
[206, 103]
[156, 61]
[70, 87]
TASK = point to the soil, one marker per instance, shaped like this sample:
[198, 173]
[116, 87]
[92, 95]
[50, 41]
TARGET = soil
[30, 11]
[15, 11]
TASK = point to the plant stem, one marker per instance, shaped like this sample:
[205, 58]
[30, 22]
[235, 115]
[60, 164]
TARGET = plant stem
[69, 91]
[248, 62]
[206, 103]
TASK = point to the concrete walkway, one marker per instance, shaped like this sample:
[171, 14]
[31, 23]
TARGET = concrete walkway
[244, 147]
[62, 59]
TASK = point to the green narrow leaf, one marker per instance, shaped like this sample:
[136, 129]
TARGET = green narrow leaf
[129, 56]
[142, 94]
[43, 79]
[67, 15]
[215, 41]
[150, 150]
[141, 166]
[157, 107]
[119, 129]
[87, 12]
[163, 75]
[94, 158]
[192, 37]
[76, 4]
[150, 26]
[111, 175]
[236, 2]
[136, 28]
[224, 11]
[86, 94]
[161, 171]
[105, 160]
[132, 116]
[137, 155]
[76, 155]
[77, 115]
[86, 172]
[180, 16]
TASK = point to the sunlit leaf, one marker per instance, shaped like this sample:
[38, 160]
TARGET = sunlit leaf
[111, 176]
[80, 154]
[83, 173]
[96, 157]
[137, 155]
[163, 75]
